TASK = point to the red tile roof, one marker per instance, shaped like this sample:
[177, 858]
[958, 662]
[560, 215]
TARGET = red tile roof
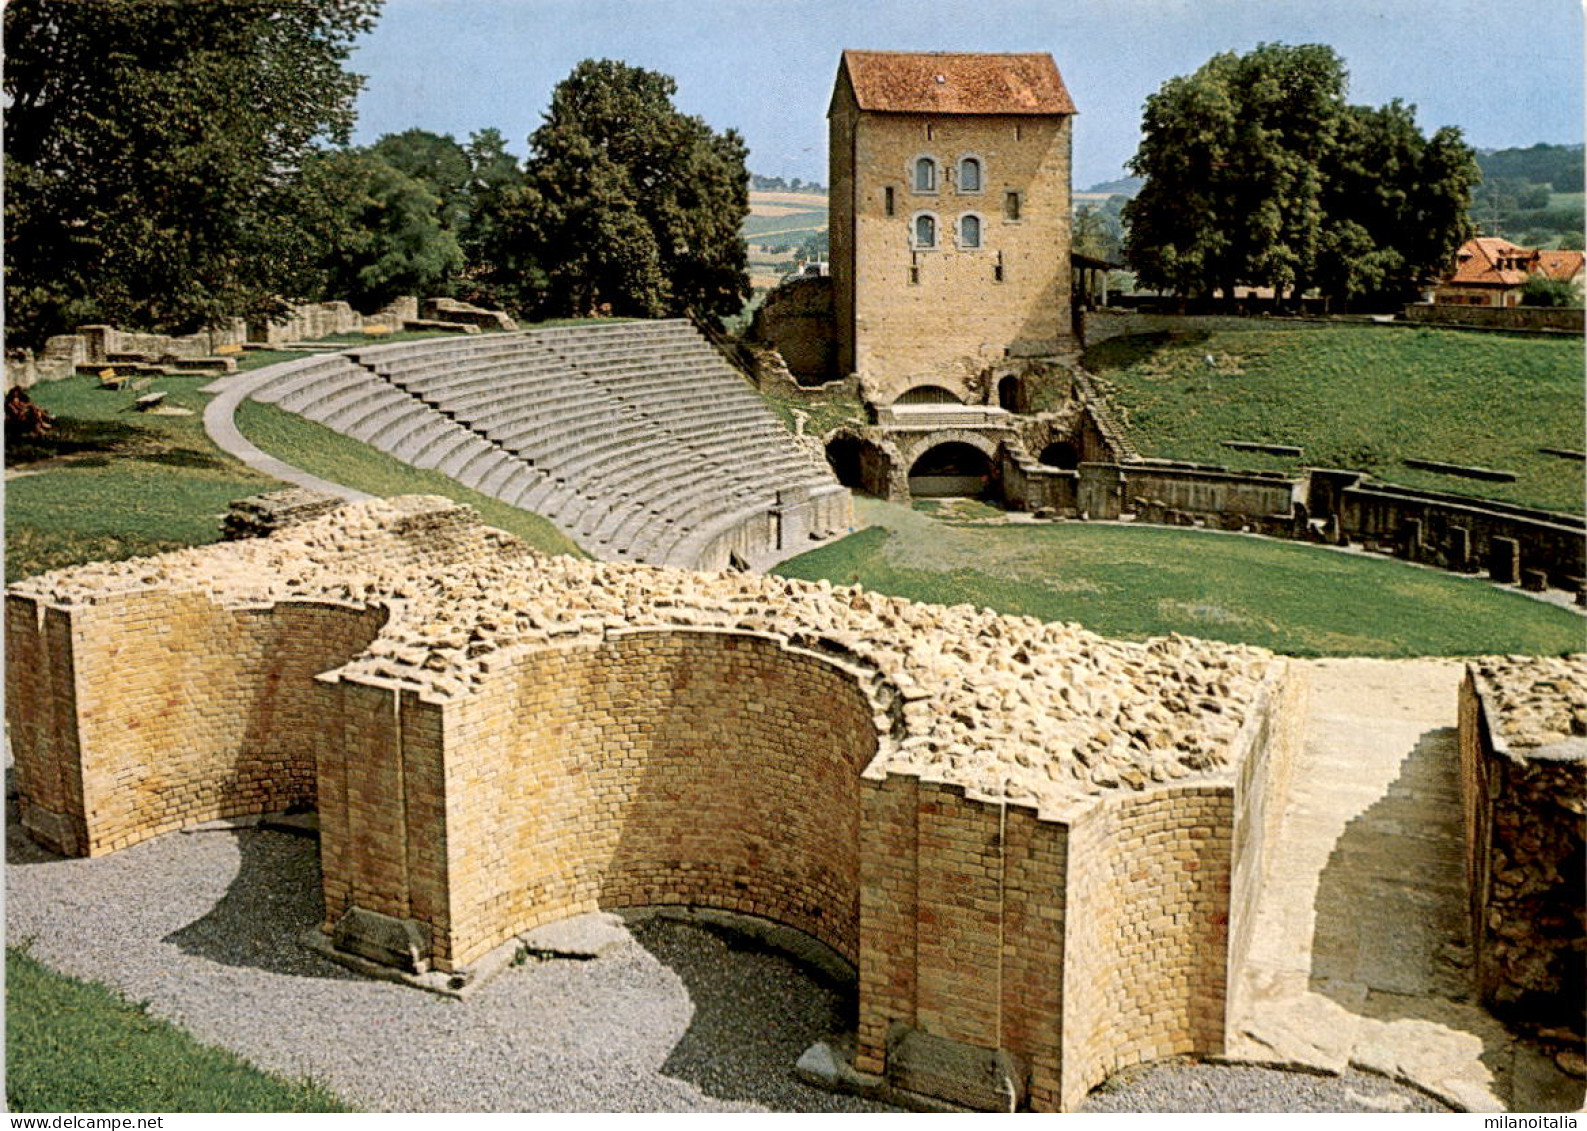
[1489, 261]
[1561, 265]
[948, 83]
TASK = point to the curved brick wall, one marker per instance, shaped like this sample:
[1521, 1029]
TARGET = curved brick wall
[186, 711]
[658, 767]
[1147, 940]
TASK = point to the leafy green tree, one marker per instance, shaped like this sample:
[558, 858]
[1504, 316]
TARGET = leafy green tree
[1540, 290]
[1396, 205]
[632, 206]
[437, 162]
[153, 151]
[1257, 172]
[380, 231]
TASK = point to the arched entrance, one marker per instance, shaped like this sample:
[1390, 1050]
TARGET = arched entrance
[843, 455]
[951, 469]
[1008, 394]
[1061, 454]
[928, 394]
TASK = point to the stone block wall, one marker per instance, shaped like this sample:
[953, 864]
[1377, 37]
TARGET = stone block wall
[1523, 753]
[687, 767]
[797, 321]
[1146, 950]
[1558, 319]
[185, 711]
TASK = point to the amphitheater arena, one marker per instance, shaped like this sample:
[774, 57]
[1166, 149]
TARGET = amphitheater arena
[1043, 852]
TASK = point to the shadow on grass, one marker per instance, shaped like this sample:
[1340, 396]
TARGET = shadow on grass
[70, 436]
[1121, 353]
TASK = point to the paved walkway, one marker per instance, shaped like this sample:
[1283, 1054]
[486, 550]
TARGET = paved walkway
[1361, 955]
[221, 424]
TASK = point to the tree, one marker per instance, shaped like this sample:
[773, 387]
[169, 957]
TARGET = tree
[1257, 172]
[1540, 290]
[438, 163]
[1396, 203]
[153, 150]
[631, 205]
[379, 231]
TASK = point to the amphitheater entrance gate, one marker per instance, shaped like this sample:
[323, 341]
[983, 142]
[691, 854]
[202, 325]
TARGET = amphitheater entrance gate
[951, 469]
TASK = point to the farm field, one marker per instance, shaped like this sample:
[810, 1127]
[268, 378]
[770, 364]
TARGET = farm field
[1138, 581]
[1362, 397]
[777, 224]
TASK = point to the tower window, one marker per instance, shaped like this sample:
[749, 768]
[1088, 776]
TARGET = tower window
[1011, 206]
[887, 199]
[970, 174]
[925, 174]
[925, 230]
[969, 230]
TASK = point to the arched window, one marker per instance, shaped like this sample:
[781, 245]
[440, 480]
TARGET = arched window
[969, 230]
[925, 174]
[925, 230]
[970, 174]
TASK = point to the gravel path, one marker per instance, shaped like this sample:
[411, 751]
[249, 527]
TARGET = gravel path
[683, 1018]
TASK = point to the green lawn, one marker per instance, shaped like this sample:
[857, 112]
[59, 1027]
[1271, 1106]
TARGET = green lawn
[1361, 397]
[107, 482]
[75, 1046]
[824, 414]
[1139, 581]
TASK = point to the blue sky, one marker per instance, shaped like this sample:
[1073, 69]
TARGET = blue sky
[1508, 73]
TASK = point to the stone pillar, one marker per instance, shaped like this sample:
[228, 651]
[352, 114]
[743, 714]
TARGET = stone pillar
[1459, 549]
[1504, 560]
[1410, 543]
[1534, 580]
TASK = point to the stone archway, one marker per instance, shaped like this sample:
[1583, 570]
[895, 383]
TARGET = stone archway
[952, 468]
[928, 394]
[1008, 394]
[1061, 454]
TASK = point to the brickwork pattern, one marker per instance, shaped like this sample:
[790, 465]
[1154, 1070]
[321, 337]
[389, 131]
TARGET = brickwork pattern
[964, 803]
[910, 315]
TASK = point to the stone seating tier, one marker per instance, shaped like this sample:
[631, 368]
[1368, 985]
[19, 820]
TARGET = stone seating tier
[636, 438]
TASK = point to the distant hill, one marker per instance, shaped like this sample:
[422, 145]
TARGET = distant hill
[1127, 186]
[1531, 195]
[1558, 166]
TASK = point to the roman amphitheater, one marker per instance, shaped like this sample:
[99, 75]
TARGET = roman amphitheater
[1044, 856]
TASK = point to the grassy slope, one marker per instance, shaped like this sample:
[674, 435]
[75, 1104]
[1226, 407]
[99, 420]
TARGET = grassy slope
[319, 451]
[108, 483]
[1362, 397]
[75, 1046]
[1134, 582]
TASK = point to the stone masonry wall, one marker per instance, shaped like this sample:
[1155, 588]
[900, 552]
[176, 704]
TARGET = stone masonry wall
[956, 318]
[683, 767]
[186, 711]
[1146, 948]
[1523, 749]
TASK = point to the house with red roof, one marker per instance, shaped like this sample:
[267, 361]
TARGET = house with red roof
[1490, 271]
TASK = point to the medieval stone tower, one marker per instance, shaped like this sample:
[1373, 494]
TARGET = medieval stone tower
[950, 217]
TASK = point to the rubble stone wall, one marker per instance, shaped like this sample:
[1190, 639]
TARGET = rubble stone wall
[1523, 750]
[495, 739]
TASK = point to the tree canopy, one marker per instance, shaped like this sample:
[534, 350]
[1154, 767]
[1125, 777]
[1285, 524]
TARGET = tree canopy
[1258, 173]
[630, 205]
[154, 152]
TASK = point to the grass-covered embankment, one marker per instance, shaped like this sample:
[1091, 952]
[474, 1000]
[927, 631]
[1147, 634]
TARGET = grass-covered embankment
[1361, 397]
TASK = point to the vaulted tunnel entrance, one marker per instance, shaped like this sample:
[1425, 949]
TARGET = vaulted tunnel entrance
[951, 469]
